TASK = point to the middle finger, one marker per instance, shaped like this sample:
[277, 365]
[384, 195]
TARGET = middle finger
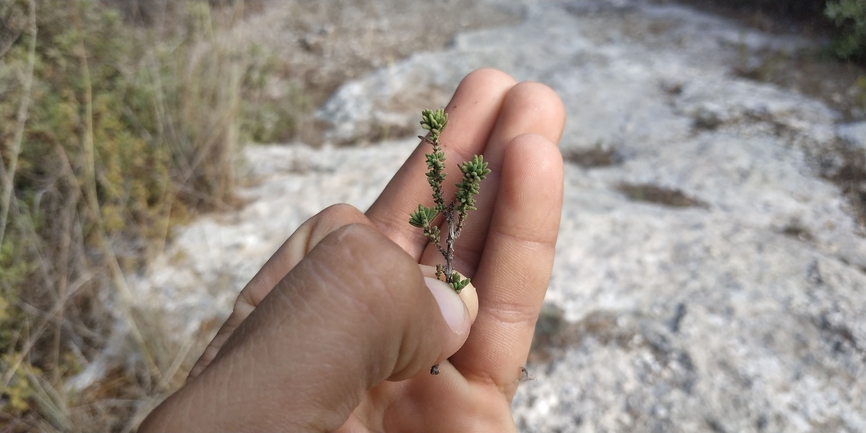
[472, 114]
[529, 108]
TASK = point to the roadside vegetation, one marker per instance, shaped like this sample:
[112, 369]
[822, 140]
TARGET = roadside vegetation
[113, 128]
[850, 16]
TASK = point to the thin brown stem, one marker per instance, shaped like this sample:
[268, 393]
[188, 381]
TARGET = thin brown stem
[63, 272]
[449, 242]
[91, 199]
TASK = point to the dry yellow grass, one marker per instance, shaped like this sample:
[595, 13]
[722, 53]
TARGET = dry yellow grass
[110, 133]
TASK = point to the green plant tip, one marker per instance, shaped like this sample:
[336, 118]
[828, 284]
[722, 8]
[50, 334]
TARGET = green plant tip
[458, 283]
[434, 120]
[476, 168]
[423, 217]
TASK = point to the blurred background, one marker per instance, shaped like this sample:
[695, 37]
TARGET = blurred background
[125, 136]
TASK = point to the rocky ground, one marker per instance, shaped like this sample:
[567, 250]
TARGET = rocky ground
[313, 46]
[711, 266]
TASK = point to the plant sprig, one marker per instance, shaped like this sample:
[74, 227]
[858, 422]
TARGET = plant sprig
[455, 211]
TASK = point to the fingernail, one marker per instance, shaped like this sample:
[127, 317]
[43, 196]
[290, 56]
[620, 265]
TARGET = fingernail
[449, 303]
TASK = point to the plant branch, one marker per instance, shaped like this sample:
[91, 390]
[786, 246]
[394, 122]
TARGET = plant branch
[455, 211]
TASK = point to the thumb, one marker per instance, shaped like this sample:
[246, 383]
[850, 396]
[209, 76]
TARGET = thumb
[355, 312]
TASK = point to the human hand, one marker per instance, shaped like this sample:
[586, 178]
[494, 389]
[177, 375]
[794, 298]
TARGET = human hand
[337, 331]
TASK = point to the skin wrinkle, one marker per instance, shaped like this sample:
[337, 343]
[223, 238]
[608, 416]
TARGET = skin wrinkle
[245, 300]
[529, 233]
[516, 124]
[408, 343]
[504, 299]
[289, 304]
[241, 336]
[285, 303]
[510, 313]
[413, 351]
[324, 302]
[535, 249]
[510, 308]
[188, 405]
[394, 223]
[365, 259]
[224, 390]
[549, 217]
[409, 348]
[331, 342]
[378, 400]
[530, 240]
[498, 309]
[386, 303]
[475, 228]
[354, 305]
[538, 233]
[529, 102]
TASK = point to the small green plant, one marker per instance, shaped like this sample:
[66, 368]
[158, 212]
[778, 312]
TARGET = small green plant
[474, 171]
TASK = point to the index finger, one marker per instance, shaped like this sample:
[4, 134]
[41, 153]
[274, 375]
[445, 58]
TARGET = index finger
[472, 115]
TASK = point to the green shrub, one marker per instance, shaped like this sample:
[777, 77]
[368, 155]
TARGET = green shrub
[796, 9]
[123, 131]
[850, 16]
[843, 20]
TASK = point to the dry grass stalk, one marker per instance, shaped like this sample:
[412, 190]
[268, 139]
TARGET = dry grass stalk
[71, 288]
